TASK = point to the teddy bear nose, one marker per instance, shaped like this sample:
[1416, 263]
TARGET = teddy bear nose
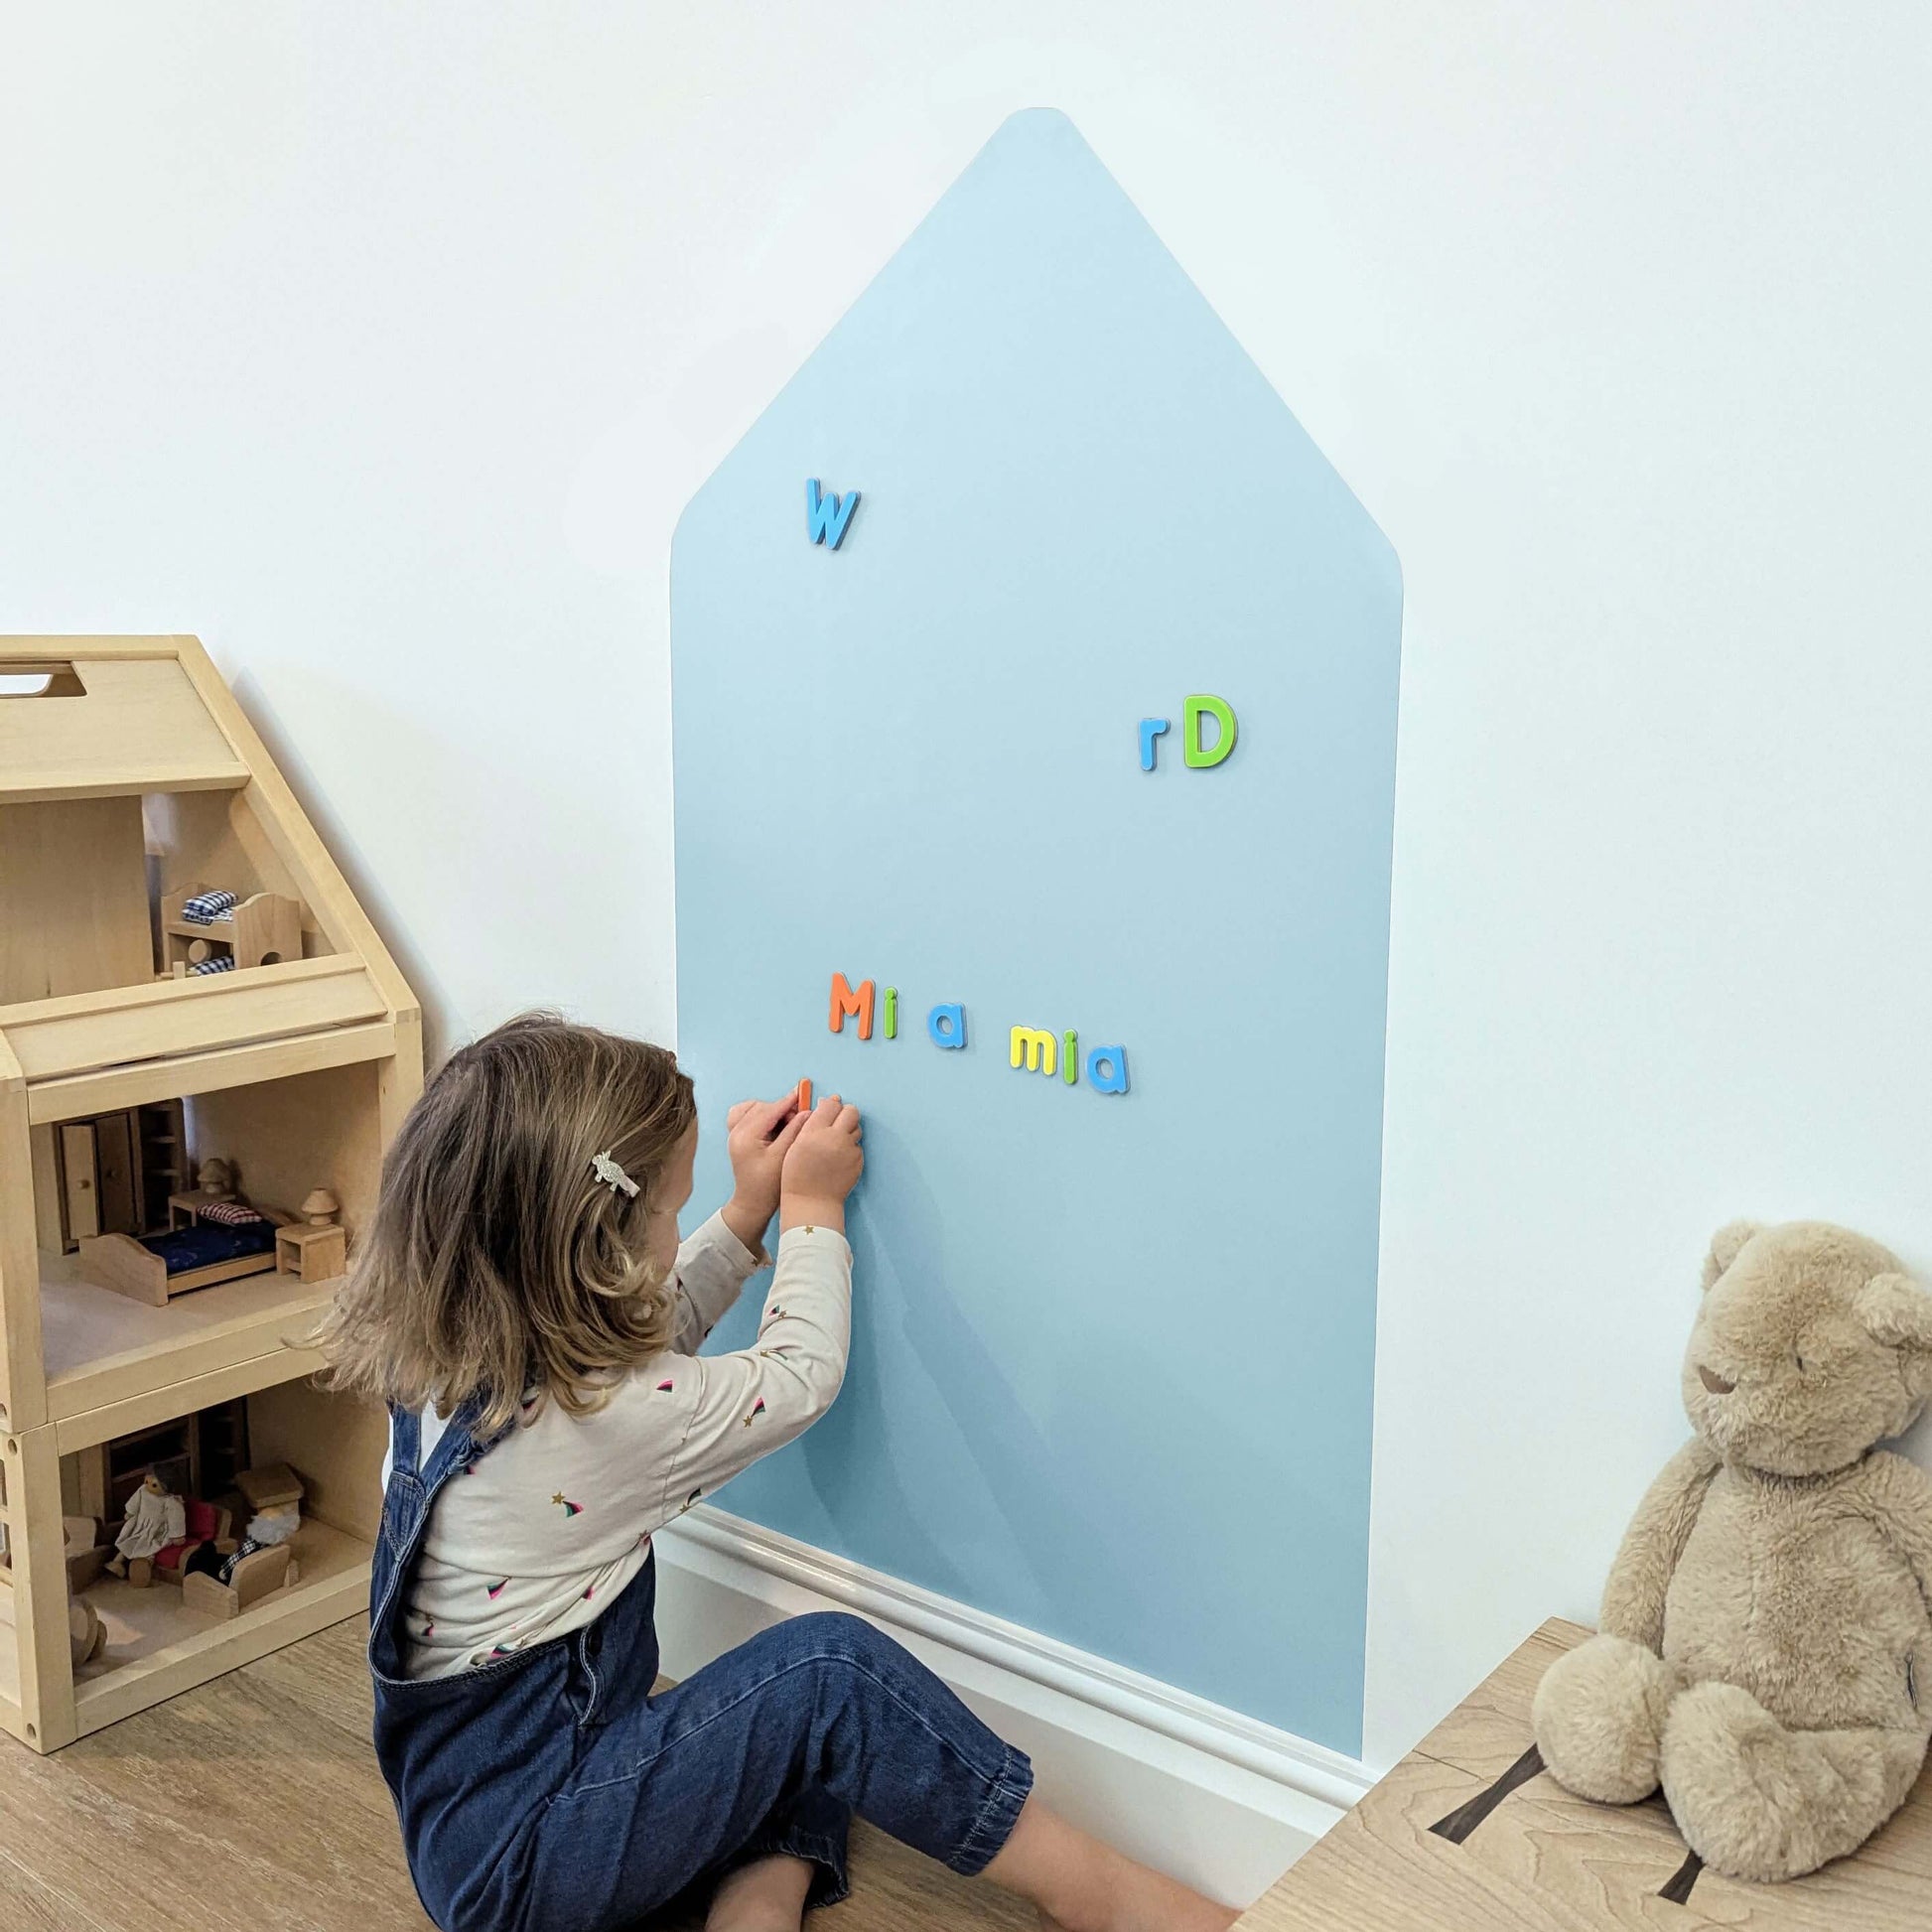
[1714, 1383]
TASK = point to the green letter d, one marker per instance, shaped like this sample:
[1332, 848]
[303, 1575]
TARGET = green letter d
[1201, 756]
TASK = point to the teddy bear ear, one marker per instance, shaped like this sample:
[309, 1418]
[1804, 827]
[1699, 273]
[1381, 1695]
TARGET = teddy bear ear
[1898, 1313]
[1726, 1245]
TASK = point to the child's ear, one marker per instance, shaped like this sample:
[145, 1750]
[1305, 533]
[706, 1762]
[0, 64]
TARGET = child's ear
[1898, 1313]
[1726, 1246]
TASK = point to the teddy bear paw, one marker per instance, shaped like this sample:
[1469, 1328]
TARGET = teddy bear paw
[1755, 1800]
[1599, 1718]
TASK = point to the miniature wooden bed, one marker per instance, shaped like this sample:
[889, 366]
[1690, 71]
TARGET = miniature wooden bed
[131, 1267]
[262, 930]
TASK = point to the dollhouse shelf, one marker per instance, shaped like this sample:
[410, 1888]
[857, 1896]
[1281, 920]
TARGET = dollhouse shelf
[108, 1357]
[129, 780]
[156, 1647]
[172, 1037]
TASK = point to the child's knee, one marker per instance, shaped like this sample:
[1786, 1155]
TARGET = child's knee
[837, 1633]
[837, 1637]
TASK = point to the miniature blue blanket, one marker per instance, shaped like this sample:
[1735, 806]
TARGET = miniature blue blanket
[204, 1245]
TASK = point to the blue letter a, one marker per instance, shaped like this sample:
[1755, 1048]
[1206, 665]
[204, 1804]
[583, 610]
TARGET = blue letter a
[827, 516]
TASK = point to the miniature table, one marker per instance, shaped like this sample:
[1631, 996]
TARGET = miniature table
[1469, 1833]
[311, 1254]
[185, 1210]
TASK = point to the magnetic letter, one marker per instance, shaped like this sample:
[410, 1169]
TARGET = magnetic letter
[1151, 729]
[1199, 755]
[1071, 1058]
[950, 1016]
[1114, 1060]
[845, 1000]
[1038, 1052]
[826, 517]
[892, 1013]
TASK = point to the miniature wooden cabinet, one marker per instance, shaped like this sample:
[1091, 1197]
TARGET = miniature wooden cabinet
[140, 1039]
[109, 1175]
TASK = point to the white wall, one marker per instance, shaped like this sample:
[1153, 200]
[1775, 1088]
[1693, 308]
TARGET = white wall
[382, 346]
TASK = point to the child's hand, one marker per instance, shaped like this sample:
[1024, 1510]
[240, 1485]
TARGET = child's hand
[762, 1133]
[822, 1168]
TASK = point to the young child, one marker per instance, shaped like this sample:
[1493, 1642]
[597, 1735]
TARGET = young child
[523, 1305]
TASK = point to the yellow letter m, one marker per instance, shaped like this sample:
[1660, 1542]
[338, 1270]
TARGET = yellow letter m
[1040, 1052]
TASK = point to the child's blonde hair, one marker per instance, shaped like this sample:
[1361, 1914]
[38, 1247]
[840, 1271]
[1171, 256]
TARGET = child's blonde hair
[498, 1261]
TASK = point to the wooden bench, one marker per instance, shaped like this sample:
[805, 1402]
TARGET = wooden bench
[1469, 1833]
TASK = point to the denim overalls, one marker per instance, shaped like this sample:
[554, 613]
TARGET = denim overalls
[551, 1792]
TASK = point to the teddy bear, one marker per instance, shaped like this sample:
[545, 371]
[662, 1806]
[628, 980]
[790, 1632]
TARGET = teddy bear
[1765, 1652]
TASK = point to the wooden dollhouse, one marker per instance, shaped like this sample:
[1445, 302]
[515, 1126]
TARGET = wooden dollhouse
[189, 995]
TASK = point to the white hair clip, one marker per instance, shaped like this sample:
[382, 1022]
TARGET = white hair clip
[612, 1175]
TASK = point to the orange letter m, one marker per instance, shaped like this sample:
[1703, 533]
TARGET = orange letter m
[845, 1000]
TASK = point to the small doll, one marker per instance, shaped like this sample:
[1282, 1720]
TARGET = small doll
[155, 1518]
[267, 1530]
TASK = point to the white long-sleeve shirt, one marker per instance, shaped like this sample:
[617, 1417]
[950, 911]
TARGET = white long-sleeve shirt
[542, 1532]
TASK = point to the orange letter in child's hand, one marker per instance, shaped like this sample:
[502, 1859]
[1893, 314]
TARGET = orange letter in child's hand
[845, 1001]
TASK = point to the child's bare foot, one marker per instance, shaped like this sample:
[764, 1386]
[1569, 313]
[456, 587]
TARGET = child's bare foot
[765, 1896]
[1080, 1885]
[1163, 1907]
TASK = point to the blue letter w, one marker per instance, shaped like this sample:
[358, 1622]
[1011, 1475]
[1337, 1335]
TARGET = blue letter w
[827, 516]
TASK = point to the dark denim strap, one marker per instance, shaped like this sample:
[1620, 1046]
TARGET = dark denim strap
[406, 1505]
[405, 1439]
[459, 1445]
[456, 1447]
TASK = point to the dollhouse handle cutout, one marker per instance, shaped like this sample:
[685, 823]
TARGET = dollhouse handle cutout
[41, 681]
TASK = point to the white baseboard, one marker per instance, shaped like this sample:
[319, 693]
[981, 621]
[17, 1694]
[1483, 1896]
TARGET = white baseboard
[1200, 1791]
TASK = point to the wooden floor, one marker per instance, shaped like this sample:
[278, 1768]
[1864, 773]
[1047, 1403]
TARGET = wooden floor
[254, 1803]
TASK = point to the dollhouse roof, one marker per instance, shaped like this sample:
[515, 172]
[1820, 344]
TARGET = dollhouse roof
[131, 718]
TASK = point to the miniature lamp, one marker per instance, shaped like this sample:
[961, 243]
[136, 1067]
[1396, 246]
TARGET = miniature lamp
[321, 1208]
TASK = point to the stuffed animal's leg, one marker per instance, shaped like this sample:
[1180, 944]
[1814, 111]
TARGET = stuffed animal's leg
[1758, 1801]
[1600, 1716]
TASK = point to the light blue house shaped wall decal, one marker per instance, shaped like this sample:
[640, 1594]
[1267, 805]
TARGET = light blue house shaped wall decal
[1112, 1354]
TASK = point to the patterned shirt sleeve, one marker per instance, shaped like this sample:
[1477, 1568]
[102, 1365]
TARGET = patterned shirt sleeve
[712, 1270]
[537, 1536]
[747, 1404]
